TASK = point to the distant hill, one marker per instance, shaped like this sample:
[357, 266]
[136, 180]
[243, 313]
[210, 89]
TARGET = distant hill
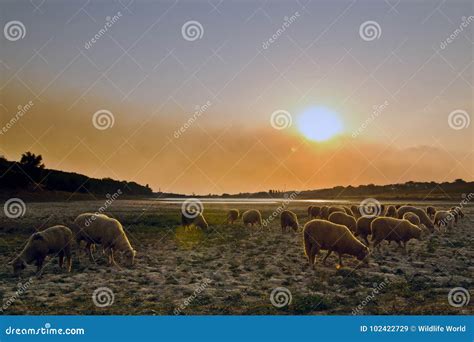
[29, 175]
[403, 191]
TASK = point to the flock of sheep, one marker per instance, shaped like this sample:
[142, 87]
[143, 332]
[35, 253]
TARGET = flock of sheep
[331, 228]
[336, 228]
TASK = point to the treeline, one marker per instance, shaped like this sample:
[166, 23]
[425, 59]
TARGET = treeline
[414, 190]
[30, 174]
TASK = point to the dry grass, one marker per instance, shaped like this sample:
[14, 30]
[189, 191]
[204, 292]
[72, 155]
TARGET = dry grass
[243, 265]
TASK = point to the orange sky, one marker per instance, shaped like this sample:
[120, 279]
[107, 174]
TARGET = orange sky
[150, 78]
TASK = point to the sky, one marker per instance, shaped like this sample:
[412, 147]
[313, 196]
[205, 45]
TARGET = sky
[122, 89]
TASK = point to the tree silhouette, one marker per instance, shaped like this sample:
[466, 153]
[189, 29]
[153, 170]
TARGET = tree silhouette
[31, 161]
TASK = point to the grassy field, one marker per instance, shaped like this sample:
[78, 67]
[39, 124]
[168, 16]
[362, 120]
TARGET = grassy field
[232, 269]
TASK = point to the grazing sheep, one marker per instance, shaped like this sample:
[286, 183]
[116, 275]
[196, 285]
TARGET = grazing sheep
[444, 219]
[321, 234]
[391, 211]
[196, 219]
[252, 217]
[324, 212]
[363, 227]
[413, 218]
[309, 211]
[419, 212]
[55, 240]
[392, 229]
[288, 219]
[355, 211]
[348, 210]
[334, 209]
[106, 231]
[344, 219]
[430, 211]
[455, 214]
[398, 206]
[315, 212]
[232, 216]
[458, 211]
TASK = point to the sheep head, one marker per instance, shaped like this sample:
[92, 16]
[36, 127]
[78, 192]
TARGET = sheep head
[18, 265]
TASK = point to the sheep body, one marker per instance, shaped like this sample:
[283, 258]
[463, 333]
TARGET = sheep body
[413, 218]
[458, 211]
[348, 211]
[106, 231]
[55, 240]
[392, 229]
[321, 234]
[288, 219]
[344, 219]
[232, 216]
[355, 211]
[430, 211]
[315, 212]
[196, 219]
[363, 227]
[334, 209]
[444, 219]
[419, 212]
[324, 212]
[391, 211]
[252, 217]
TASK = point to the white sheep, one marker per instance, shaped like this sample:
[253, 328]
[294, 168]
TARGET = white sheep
[56, 240]
[106, 231]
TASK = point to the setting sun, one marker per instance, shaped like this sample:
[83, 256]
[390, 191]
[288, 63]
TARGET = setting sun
[319, 124]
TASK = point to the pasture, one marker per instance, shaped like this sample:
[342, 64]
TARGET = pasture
[232, 269]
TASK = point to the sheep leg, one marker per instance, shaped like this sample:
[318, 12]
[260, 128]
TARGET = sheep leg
[61, 260]
[312, 255]
[366, 240]
[89, 250]
[327, 255]
[39, 267]
[340, 259]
